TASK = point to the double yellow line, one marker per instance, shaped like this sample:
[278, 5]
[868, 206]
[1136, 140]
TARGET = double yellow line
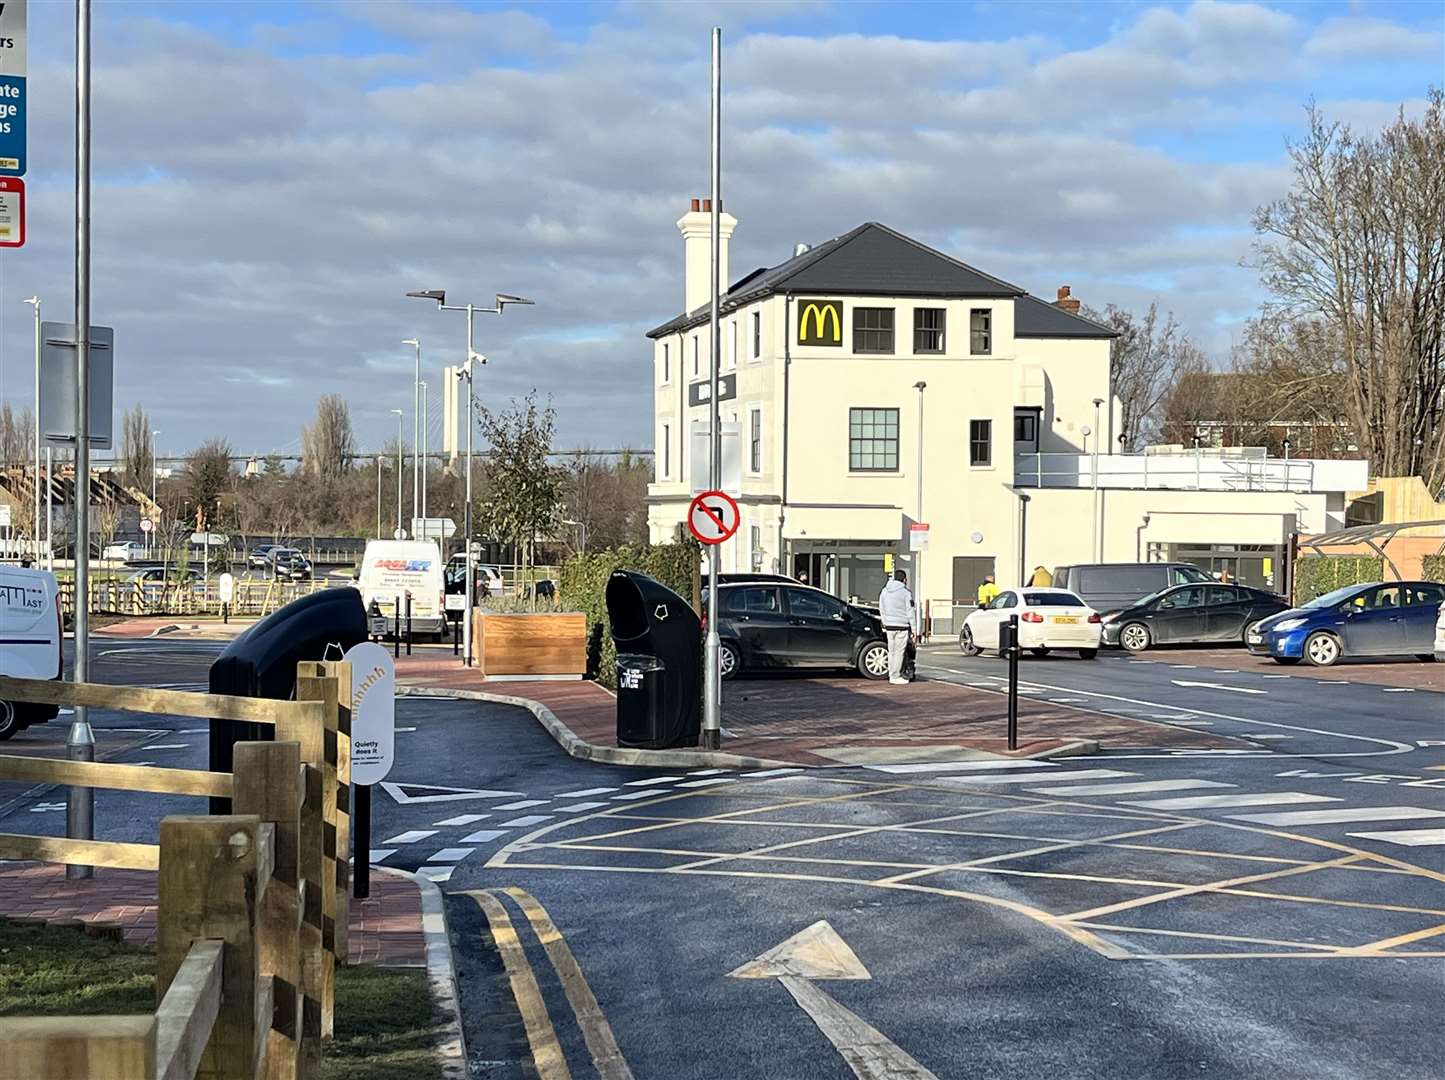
[547, 1053]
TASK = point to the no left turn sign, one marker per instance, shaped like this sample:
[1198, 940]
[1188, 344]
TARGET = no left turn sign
[713, 517]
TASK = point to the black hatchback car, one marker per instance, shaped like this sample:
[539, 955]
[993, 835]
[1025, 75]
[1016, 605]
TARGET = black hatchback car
[1191, 613]
[768, 625]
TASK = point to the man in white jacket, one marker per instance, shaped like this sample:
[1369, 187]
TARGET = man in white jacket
[900, 622]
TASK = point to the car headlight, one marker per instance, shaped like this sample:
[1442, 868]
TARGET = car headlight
[1289, 624]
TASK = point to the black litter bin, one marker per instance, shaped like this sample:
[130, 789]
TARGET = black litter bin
[659, 647]
[262, 663]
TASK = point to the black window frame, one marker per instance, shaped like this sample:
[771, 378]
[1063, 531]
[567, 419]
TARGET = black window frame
[666, 365]
[869, 446]
[1031, 415]
[974, 441]
[755, 440]
[757, 334]
[920, 316]
[974, 332]
[861, 333]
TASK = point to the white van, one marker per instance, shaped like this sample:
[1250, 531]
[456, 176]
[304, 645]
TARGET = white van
[29, 641]
[392, 568]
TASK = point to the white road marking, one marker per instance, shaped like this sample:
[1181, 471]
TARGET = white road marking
[1189, 721]
[1218, 686]
[578, 807]
[1399, 690]
[1407, 837]
[404, 729]
[1067, 700]
[583, 793]
[1033, 778]
[436, 873]
[378, 854]
[709, 783]
[452, 854]
[706, 772]
[964, 766]
[1271, 736]
[1276, 676]
[462, 819]
[167, 746]
[638, 795]
[481, 836]
[525, 804]
[1130, 789]
[1330, 817]
[402, 792]
[1182, 667]
[523, 822]
[653, 780]
[410, 837]
[772, 772]
[1225, 671]
[1258, 798]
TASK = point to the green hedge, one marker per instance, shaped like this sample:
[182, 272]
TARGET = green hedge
[1315, 575]
[583, 587]
[1432, 568]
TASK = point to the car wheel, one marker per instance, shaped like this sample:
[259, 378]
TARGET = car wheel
[1287, 661]
[9, 720]
[1135, 637]
[1322, 649]
[728, 660]
[1040, 650]
[1427, 657]
[1088, 654]
[966, 644]
[873, 660]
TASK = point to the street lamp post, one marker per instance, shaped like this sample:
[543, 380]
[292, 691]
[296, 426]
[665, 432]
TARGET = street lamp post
[1098, 508]
[920, 386]
[380, 461]
[155, 525]
[35, 521]
[415, 426]
[465, 372]
[400, 450]
[421, 457]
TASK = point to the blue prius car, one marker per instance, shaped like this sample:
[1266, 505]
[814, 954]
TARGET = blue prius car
[1380, 619]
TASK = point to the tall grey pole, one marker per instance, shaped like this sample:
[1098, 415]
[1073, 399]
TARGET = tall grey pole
[49, 525]
[1094, 471]
[416, 432]
[920, 386]
[379, 460]
[80, 743]
[400, 464]
[712, 681]
[467, 511]
[421, 440]
[155, 508]
[35, 521]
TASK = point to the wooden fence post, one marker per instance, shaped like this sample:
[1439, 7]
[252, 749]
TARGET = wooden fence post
[309, 733]
[268, 784]
[341, 671]
[213, 870]
[79, 1048]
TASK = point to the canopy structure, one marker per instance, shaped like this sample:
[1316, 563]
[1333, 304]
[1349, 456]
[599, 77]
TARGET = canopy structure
[1375, 537]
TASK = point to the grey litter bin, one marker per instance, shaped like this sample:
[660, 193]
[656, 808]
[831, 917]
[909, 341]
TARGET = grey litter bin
[641, 721]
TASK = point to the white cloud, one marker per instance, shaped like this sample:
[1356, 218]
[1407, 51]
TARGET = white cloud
[1354, 38]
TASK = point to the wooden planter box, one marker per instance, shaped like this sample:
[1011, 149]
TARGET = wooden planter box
[550, 645]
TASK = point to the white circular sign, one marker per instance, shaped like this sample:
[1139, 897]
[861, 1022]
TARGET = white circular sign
[373, 712]
[227, 585]
[146, 524]
[977, 538]
[400, 534]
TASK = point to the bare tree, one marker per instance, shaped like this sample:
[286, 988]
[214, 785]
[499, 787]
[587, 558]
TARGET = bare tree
[1359, 241]
[135, 448]
[327, 443]
[208, 471]
[17, 435]
[1143, 361]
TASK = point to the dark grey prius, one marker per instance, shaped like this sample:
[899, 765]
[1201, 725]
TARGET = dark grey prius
[764, 624]
[1191, 613]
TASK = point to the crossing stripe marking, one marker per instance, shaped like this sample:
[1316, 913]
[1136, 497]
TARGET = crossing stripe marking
[380, 853]
[706, 772]
[462, 819]
[772, 772]
[709, 783]
[1330, 817]
[451, 854]
[1131, 789]
[653, 780]
[410, 837]
[436, 873]
[584, 792]
[1015, 778]
[1203, 802]
[525, 804]
[963, 766]
[578, 807]
[1388, 690]
[482, 836]
[638, 795]
[1407, 837]
[523, 822]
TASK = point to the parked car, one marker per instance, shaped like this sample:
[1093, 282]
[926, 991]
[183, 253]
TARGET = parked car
[766, 625]
[155, 575]
[30, 627]
[1397, 618]
[291, 566]
[1440, 633]
[1113, 586]
[1191, 613]
[126, 551]
[1048, 619]
[260, 556]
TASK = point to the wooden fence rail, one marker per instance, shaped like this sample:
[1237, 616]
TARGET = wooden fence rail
[252, 905]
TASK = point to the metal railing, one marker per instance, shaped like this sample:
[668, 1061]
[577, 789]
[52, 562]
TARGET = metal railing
[1176, 472]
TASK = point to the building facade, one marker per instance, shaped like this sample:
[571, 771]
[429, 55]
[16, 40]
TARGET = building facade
[874, 386]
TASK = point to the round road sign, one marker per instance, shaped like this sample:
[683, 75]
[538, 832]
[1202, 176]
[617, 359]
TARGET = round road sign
[713, 517]
[146, 525]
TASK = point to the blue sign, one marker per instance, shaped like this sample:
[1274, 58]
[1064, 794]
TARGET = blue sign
[12, 125]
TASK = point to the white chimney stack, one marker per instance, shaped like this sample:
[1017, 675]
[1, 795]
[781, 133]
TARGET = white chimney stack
[696, 229]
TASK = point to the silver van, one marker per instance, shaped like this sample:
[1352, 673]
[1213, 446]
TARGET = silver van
[30, 634]
[1112, 586]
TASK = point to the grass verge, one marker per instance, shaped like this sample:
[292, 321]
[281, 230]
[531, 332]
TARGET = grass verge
[385, 1021]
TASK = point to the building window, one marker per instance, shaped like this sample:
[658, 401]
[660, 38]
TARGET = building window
[980, 331]
[872, 330]
[928, 329]
[666, 456]
[734, 362]
[873, 440]
[755, 440]
[757, 334]
[1026, 431]
[666, 364]
[694, 356]
[980, 442]
[755, 542]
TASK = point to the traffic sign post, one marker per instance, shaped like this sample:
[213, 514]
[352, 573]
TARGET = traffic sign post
[373, 745]
[713, 517]
[12, 91]
[12, 212]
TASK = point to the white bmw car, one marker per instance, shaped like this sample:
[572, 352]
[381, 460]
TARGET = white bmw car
[1440, 633]
[1048, 619]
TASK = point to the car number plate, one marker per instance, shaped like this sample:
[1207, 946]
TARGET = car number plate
[1066, 618]
[1256, 639]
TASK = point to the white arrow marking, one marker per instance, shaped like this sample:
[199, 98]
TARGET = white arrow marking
[1218, 686]
[819, 953]
[403, 793]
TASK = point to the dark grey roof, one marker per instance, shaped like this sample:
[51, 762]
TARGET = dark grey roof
[1035, 318]
[871, 260]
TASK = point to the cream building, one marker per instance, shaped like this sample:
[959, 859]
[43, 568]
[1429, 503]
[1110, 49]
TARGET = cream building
[878, 385]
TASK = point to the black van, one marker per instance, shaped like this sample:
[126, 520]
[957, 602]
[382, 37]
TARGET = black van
[1111, 586]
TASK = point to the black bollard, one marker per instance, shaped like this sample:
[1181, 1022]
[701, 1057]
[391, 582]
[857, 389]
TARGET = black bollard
[361, 839]
[1009, 643]
[408, 624]
[396, 627]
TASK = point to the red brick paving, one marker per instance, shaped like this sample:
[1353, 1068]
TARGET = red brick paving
[385, 929]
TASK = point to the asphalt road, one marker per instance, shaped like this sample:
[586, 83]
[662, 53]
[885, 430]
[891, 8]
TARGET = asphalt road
[1272, 911]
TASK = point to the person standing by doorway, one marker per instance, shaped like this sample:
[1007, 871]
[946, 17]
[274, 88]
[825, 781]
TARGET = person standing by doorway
[899, 615]
[987, 591]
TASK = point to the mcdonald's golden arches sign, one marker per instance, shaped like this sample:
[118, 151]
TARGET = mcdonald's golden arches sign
[820, 322]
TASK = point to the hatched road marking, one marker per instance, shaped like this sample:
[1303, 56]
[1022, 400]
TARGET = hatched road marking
[1205, 802]
[1033, 778]
[1130, 789]
[1330, 817]
[1407, 837]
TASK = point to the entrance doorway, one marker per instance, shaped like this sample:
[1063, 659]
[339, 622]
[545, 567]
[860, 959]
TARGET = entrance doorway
[968, 574]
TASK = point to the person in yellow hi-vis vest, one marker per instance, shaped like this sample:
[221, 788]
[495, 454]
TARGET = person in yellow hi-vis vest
[987, 591]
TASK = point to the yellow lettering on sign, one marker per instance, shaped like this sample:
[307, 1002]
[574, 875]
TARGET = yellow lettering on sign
[821, 315]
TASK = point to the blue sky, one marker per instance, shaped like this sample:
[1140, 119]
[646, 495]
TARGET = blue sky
[272, 177]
